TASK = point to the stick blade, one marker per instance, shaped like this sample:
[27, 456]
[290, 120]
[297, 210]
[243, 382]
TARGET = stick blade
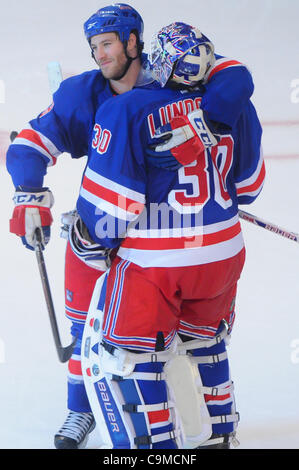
[65, 353]
[13, 135]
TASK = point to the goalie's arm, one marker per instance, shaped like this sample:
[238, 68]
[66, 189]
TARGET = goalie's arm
[229, 86]
[228, 89]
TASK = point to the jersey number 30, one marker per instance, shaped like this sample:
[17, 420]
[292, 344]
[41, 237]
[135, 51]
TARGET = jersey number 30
[196, 174]
[101, 139]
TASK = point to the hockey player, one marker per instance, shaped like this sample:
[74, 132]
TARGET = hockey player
[115, 35]
[171, 288]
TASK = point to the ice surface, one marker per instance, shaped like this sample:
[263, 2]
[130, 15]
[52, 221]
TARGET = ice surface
[264, 349]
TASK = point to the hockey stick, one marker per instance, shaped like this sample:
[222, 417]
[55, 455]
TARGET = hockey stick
[269, 226]
[64, 353]
[54, 76]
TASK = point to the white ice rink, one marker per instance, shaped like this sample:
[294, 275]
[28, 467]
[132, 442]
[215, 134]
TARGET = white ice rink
[264, 349]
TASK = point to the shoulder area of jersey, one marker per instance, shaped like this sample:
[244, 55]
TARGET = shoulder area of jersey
[142, 95]
[83, 81]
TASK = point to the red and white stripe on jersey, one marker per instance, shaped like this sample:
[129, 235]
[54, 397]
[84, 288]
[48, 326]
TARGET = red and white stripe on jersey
[183, 246]
[36, 140]
[222, 64]
[253, 185]
[112, 198]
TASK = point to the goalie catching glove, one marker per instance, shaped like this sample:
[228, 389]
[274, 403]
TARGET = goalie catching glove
[32, 212]
[181, 141]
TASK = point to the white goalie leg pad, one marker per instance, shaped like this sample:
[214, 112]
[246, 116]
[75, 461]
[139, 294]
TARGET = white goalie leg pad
[103, 367]
[187, 390]
[184, 383]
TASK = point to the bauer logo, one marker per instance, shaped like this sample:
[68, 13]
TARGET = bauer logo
[2, 92]
[114, 423]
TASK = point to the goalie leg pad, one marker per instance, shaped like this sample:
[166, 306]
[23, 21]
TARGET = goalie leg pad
[210, 356]
[126, 390]
[150, 410]
[184, 382]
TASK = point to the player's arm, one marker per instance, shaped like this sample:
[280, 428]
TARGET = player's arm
[62, 127]
[228, 88]
[34, 149]
[27, 160]
[249, 166]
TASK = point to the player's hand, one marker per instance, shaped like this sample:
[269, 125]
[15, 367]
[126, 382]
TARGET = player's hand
[181, 141]
[32, 211]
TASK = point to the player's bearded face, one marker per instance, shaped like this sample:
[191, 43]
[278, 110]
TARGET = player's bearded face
[109, 54]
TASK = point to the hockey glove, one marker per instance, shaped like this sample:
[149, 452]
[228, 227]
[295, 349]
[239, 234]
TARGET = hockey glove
[181, 141]
[32, 212]
[82, 244]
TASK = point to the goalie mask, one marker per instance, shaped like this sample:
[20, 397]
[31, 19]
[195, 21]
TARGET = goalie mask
[181, 53]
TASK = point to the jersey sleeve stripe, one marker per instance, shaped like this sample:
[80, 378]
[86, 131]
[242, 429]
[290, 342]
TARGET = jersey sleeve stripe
[222, 64]
[35, 140]
[20, 141]
[253, 184]
[255, 187]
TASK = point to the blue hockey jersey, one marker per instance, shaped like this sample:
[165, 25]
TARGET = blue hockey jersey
[159, 217]
[67, 124]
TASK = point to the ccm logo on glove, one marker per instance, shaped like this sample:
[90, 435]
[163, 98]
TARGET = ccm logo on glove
[32, 199]
[32, 212]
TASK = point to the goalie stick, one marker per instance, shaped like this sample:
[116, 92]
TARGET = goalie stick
[269, 226]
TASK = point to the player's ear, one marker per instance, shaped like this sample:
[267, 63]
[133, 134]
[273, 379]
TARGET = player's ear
[132, 45]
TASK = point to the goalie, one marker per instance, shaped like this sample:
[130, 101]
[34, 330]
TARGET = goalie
[155, 363]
